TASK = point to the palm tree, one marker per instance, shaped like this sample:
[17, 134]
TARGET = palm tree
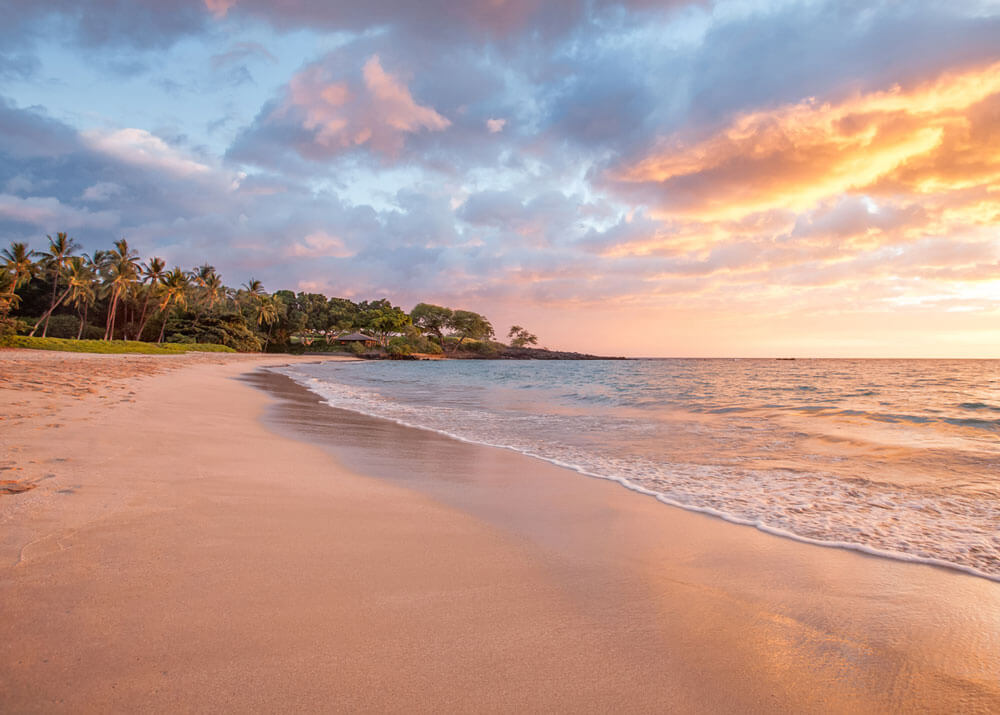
[8, 298]
[82, 279]
[210, 284]
[54, 260]
[214, 290]
[174, 293]
[121, 272]
[79, 278]
[266, 313]
[152, 273]
[19, 264]
[252, 289]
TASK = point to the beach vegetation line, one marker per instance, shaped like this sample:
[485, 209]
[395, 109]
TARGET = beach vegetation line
[114, 301]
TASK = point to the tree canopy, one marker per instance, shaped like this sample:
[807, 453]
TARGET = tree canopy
[114, 294]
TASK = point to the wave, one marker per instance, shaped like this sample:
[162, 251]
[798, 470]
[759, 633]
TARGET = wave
[790, 497]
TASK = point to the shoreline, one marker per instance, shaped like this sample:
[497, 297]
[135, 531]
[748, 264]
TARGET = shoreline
[706, 510]
[195, 543]
[740, 566]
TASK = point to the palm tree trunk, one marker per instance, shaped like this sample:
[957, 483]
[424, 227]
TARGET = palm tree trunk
[83, 322]
[111, 307]
[52, 306]
[55, 304]
[143, 318]
[159, 341]
[109, 329]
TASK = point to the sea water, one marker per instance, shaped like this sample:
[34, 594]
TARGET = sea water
[899, 458]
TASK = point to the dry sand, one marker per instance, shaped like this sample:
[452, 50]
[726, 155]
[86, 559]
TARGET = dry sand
[175, 553]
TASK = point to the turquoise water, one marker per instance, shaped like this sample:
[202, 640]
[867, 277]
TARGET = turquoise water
[894, 457]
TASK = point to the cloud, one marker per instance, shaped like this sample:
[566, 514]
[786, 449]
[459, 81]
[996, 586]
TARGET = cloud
[321, 244]
[140, 147]
[138, 23]
[324, 115]
[479, 19]
[393, 99]
[241, 52]
[19, 66]
[102, 191]
[50, 212]
[495, 126]
[794, 156]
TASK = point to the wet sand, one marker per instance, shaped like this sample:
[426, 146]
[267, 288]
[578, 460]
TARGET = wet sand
[180, 553]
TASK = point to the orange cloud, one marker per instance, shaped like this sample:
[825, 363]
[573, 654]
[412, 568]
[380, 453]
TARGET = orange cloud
[931, 139]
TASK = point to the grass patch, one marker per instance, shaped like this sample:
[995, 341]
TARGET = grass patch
[114, 346]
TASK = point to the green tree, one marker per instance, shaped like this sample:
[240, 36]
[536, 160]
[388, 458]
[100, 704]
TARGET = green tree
[214, 290]
[54, 262]
[468, 325]
[210, 287]
[121, 270]
[384, 322]
[152, 273]
[432, 319]
[173, 293]
[519, 337]
[342, 314]
[18, 260]
[267, 312]
[252, 289]
[82, 280]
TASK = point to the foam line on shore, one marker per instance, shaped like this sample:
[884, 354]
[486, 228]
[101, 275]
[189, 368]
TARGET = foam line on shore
[307, 383]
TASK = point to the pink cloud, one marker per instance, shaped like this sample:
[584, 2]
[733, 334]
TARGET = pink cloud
[49, 211]
[219, 8]
[139, 147]
[321, 244]
[377, 112]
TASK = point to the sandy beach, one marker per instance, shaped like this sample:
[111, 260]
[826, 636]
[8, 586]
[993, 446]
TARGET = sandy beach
[190, 533]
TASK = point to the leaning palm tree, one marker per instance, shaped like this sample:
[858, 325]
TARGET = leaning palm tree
[173, 293]
[18, 260]
[121, 272]
[152, 273]
[78, 277]
[54, 261]
[82, 278]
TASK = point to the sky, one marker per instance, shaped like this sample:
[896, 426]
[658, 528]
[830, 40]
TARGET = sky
[732, 178]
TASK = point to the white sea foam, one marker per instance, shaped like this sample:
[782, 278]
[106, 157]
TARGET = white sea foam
[801, 498]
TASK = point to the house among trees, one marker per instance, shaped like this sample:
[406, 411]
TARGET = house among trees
[368, 340]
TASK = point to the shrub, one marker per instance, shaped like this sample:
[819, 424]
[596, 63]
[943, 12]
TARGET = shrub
[227, 329]
[399, 346]
[63, 326]
[430, 347]
[9, 328]
[482, 347]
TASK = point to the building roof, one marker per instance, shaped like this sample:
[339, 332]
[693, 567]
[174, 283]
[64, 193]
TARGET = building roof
[355, 337]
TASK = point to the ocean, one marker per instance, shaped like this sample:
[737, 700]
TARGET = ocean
[898, 458]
